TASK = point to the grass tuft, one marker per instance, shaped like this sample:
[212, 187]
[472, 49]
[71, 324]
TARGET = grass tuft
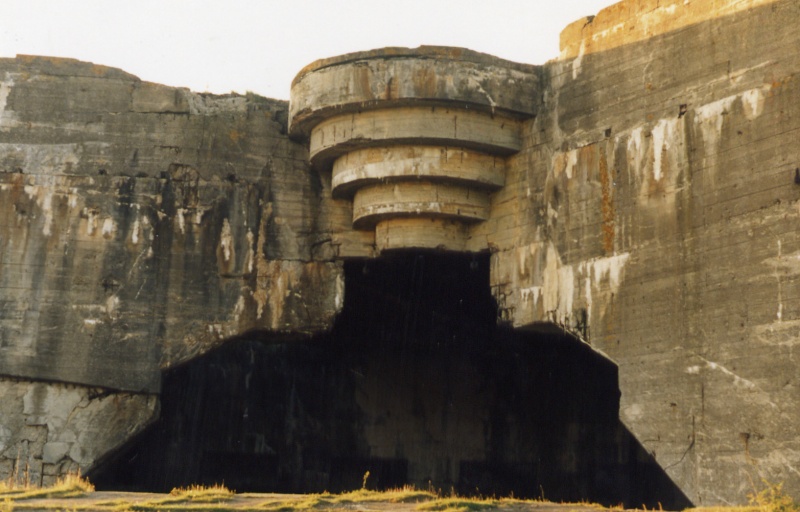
[407, 494]
[458, 504]
[773, 499]
[69, 486]
[201, 493]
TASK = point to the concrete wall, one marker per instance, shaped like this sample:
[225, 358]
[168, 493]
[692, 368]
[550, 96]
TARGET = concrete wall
[140, 225]
[651, 210]
[654, 212]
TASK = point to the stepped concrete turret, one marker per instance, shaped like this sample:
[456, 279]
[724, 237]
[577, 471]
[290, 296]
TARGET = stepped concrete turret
[416, 138]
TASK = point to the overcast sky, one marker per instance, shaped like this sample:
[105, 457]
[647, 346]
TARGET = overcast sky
[251, 45]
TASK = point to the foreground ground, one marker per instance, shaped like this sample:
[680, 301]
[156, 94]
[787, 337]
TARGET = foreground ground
[220, 499]
[76, 494]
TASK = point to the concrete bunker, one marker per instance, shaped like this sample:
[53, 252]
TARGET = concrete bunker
[416, 384]
[416, 139]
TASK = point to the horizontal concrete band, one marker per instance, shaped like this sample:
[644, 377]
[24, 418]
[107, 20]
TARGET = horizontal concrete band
[404, 199]
[421, 233]
[403, 163]
[393, 77]
[413, 126]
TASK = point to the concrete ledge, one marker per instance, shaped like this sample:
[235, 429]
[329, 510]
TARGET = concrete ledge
[421, 233]
[413, 125]
[414, 133]
[378, 202]
[393, 77]
[433, 163]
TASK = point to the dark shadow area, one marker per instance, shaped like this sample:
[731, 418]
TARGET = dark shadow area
[415, 384]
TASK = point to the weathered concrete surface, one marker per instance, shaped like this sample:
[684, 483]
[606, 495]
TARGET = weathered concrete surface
[49, 429]
[650, 209]
[373, 165]
[377, 120]
[626, 22]
[653, 210]
[141, 225]
[399, 77]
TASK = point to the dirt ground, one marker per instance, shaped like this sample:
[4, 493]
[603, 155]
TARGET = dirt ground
[120, 501]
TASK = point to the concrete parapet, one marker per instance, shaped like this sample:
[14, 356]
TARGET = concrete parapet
[411, 133]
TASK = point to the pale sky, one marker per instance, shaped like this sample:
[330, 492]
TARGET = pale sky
[260, 45]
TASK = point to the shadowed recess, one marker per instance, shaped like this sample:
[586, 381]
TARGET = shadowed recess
[416, 384]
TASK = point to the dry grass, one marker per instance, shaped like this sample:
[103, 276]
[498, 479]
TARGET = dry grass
[405, 494]
[70, 486]
[770, 499]
[458, 504]
[66, 494]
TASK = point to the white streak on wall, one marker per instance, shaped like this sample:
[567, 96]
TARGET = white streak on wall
[609, 268]
[181, 220]
[136, 232]
[551, 282]
[594, 273]
[710, 118]
[780, 289]
[226, 240]
[481, 90]
[572, 162]
[587, 291]
[737, 381]
[711, 114]
[108, 227]
[5, 90]
[112, 307]
[636, 151]
[752, 103]
[251, 255]
[566, 290]
[43, 195]
[338, 298]
[238, 309]
[91, 221]
[576, 64]
[46, 205]
[663, 132]
[531, 293]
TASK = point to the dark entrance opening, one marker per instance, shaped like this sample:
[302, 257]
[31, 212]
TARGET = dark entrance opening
[415, 384]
